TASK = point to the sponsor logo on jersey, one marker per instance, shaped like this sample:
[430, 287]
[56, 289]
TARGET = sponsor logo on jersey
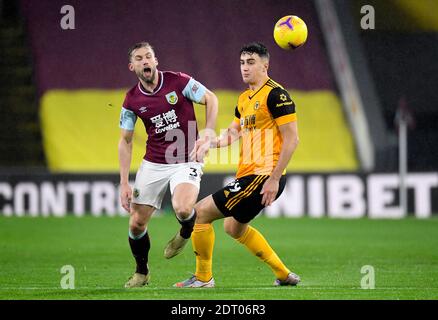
[195, 88]
[143, 109]
[172, 97]
[165, 121]
[285, 102]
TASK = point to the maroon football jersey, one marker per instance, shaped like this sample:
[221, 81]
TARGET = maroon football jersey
[168, 116]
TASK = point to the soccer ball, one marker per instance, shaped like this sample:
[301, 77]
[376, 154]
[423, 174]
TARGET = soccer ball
[290, 32]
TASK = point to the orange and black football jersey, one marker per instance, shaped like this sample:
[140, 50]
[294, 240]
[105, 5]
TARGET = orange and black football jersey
[260, 113]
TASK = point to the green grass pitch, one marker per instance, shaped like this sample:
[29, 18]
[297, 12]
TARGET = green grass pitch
[328, 254]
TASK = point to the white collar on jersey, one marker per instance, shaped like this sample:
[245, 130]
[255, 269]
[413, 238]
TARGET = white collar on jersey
[151, 94]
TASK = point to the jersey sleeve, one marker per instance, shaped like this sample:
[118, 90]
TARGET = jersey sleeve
[194, 90]
[127, 119]
[237, 116]
[281, 106]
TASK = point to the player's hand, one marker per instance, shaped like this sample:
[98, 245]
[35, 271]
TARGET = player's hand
[269, 191]
[125, 196]
[200, 150]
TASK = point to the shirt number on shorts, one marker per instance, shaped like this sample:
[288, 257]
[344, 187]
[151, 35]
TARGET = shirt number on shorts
[234, 186]
[194, 172]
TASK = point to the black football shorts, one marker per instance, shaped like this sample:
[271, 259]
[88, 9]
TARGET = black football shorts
[241, 198]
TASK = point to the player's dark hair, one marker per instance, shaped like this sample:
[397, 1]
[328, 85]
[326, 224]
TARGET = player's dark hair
[138, 45]
[255, 47]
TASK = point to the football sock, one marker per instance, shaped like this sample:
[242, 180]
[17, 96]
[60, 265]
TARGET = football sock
[187, 225]
[140, 246]
[203, 242]
[258, 245]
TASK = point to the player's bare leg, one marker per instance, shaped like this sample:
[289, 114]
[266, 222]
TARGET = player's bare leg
[257, 244]
[183, 200]
[140, 243]
[203, 242]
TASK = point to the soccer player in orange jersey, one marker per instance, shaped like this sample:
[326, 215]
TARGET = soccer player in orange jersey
[266, 122]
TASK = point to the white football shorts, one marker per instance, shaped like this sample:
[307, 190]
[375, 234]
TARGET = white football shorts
[152, 180]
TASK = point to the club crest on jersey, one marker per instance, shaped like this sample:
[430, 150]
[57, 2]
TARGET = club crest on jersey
[136, 193]
[172, 98]
[257, 105]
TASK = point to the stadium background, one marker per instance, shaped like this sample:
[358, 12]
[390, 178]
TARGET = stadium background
[61, 92]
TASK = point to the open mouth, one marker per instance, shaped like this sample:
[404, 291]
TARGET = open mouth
[147, 71]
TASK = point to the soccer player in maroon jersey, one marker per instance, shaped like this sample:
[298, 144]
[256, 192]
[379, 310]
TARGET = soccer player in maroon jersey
[163, 100]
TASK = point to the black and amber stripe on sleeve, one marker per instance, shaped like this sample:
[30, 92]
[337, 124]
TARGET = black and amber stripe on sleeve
[237, 115]
[281, 106]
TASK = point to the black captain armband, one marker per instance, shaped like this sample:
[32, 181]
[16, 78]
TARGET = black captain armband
[280, 103]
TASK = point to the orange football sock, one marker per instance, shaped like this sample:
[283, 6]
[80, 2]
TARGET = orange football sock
[203, 242]
[258, 245]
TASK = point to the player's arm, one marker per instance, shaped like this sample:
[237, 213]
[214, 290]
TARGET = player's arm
[282, 109]
[289, 133]
[211, 103]
[127, 124]
[198, 93]
[228, 137]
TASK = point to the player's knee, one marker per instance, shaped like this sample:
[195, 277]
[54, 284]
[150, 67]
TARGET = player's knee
[137, 227]
[183, 211]
[234, 228]
[201, 213]
[137, 224]
[231, 230]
